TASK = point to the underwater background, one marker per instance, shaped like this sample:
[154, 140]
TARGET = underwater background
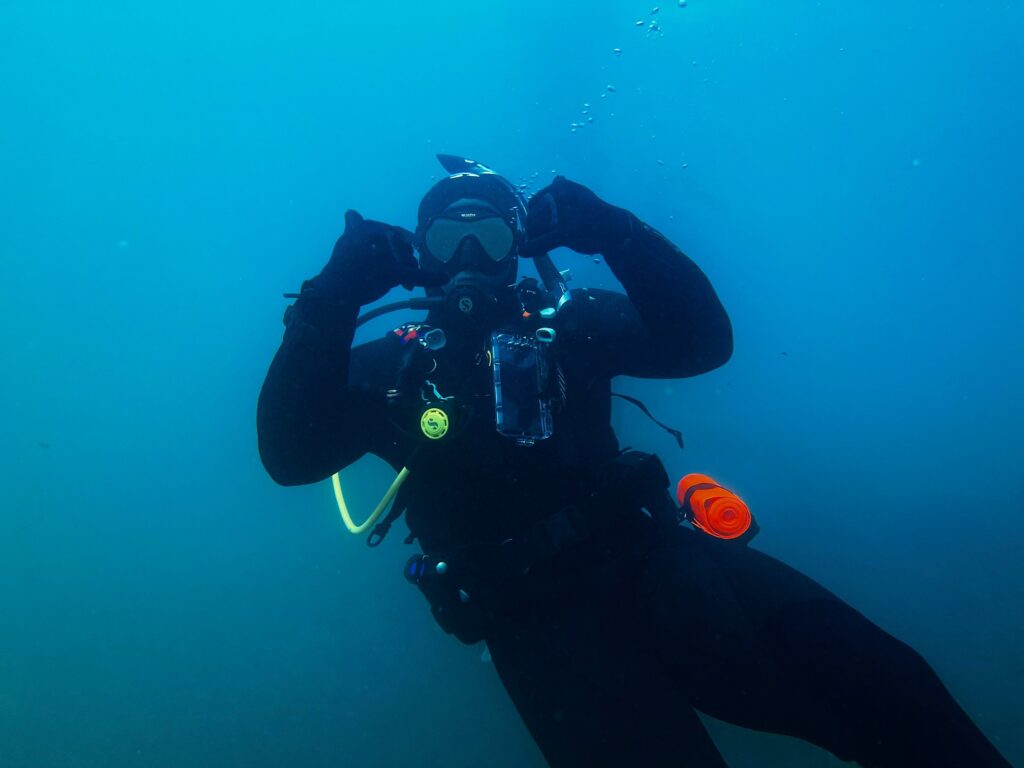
[849, 176]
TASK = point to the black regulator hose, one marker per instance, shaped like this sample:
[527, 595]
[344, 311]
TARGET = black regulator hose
[420, 303]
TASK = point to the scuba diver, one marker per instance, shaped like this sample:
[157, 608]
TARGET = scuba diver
[613, 614]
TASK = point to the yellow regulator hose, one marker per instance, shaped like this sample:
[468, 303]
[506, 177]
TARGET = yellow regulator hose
[377, 512]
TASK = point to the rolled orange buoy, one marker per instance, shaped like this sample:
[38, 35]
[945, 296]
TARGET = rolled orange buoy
[713, 509]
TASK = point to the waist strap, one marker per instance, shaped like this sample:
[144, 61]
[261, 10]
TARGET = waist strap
[632, 496]
[630, 503]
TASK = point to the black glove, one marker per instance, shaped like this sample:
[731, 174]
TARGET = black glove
[568, 214]
[369, 259]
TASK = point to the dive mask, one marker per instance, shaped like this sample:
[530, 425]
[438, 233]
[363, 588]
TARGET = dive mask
[446, 231]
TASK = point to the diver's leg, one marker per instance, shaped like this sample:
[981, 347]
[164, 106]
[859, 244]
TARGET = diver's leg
[589, 695]
[754, 642]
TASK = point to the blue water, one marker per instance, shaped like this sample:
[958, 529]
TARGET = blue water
[849, 176]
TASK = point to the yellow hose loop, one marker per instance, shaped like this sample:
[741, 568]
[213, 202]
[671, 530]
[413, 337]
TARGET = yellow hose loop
[377, 512]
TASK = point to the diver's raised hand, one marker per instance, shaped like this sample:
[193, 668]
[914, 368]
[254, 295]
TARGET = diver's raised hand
[369, 259]
[568, 214]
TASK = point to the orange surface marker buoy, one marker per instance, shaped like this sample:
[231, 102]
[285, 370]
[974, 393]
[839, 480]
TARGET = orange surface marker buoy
[715, 510]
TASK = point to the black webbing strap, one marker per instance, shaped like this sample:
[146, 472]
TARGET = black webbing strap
[693, 489]
[674, 432]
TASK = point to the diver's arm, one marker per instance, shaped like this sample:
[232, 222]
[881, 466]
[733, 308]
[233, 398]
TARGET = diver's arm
[322, 405]
[674, 324]
[310, 423]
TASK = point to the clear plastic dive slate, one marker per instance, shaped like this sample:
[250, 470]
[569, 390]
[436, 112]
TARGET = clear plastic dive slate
[522, 371]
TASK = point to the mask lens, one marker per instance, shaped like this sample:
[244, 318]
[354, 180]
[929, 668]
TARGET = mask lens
[444, 235]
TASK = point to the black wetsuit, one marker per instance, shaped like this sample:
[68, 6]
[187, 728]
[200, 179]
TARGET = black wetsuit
[609, 647]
